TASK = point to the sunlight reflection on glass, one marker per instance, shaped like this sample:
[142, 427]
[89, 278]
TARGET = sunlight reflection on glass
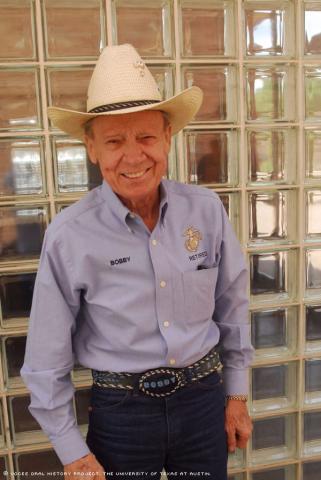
[269, 93]
[312, 20]
[265, 32]
[313, 269]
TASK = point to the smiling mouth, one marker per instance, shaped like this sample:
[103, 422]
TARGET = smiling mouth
[135, 174]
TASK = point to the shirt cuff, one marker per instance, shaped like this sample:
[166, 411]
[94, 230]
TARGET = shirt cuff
[236, 381]
[70, 447]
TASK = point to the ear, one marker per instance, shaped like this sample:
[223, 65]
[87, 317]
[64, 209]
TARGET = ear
[168, 138]
[91, 150]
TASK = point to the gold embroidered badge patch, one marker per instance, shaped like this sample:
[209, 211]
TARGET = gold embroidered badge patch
[193, 238]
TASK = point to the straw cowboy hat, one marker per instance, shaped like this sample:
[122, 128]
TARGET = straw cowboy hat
[121, 83]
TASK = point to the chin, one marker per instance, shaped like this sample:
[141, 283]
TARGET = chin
[139, 191]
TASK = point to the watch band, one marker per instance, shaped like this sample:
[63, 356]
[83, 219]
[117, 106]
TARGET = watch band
[242, 398]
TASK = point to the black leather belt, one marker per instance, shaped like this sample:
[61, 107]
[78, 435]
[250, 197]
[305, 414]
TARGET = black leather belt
[159, 382]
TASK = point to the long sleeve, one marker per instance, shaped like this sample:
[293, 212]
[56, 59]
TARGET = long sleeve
[49, 356]
[231, 312]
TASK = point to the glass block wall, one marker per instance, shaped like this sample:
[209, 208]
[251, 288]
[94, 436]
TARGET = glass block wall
[256, 141]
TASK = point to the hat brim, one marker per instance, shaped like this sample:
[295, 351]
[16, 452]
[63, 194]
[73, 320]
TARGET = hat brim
[180, 109]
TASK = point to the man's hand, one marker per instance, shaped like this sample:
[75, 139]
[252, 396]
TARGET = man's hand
[238, 424]
[85, 465]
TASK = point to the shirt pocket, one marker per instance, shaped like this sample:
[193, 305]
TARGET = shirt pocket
[199, 294]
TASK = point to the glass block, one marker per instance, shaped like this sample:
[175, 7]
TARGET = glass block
[209, 154]
[17, 27]
[313, 272]
[172, 161]
[313, 155]
[311, 433]
[273, 275]
[269, 28]
[67, 88]
[312, 214]
[207, 28]
[2, 437]
[19, 99]
[278, 473]
[220, 103]
[21, 231]
[25, 429]
[61, 206]
[3, 468]
[312, 93]
[236, 476]
[269, 93]
[45, 461]
[231, 203]
[311, 470]
[75, 172]
[313, 328]
[82, 402]
[312, 389]
[20, 167]
[271, 156]
[146, 25]
[14, 351]
[274, 332]
[273, 439]
[272, 217]
[274, 387]
[16, 292]
[73, 30]
[312, 28]
[164, 76]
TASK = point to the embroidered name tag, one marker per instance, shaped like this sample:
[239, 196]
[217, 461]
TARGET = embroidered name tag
[118, 261]
[197, 255]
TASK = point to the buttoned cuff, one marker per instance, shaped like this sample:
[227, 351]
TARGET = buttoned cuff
[70, 447]
[236, 381]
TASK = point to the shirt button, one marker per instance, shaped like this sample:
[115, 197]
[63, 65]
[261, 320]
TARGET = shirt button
[172, 361]
[163, 283]
[166, 324]
[154, 242]
[132, 215]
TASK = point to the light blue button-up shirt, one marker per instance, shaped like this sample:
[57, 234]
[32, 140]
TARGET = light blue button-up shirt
[117, 297]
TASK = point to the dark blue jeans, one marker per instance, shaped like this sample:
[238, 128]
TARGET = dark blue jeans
[133, 435]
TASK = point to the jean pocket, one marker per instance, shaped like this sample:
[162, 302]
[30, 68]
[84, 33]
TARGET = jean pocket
[199, 294]
[106, 399]
[210, 382]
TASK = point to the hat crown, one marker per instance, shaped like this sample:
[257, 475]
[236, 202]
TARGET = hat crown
[120, 76]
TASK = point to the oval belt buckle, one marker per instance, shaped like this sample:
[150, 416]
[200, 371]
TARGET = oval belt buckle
[160, 382]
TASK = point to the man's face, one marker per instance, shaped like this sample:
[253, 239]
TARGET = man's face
[131, 151]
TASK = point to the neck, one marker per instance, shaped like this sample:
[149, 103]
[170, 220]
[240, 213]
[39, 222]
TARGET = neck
[147, 208]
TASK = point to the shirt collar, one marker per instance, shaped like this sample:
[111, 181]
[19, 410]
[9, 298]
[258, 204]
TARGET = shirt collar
[121, 211]
[163, 201]
[116, 207]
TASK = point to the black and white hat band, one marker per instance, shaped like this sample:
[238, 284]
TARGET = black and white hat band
[121, 105]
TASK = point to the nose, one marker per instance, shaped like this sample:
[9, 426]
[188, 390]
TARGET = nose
[133, 151]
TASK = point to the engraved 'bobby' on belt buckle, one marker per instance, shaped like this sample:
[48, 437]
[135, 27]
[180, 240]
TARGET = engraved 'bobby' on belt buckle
[160, 382]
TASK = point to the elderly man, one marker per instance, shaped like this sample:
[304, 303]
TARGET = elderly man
[143, 281]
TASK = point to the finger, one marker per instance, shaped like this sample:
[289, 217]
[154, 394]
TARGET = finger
[100, 474]
[99, 471]
[242, 442]
[231, 439]
[242, 438]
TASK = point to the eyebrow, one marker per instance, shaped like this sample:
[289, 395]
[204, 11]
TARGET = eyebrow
[110, 134]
